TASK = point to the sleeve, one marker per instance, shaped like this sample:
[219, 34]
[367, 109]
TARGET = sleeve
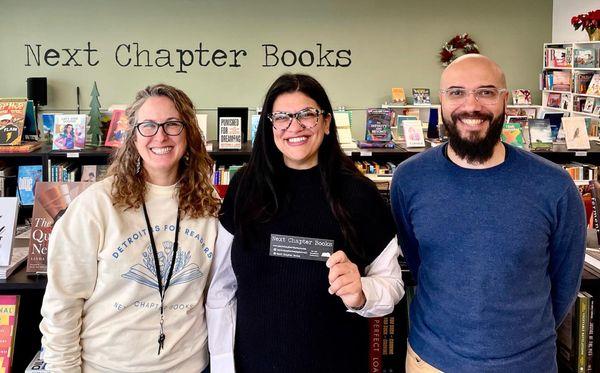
[567, 252]
[72, 271]
[221, 305]
[382, 283]
[406, 237]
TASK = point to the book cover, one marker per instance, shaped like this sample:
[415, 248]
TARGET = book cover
[203, 125]
[582, 81]
[94, 172]
[399, 127]
[565, 101]
[595, 191]
[576, 135]
[230, 133]
[9, 209]
[512, 134]
[234, 112]
[51, 202]
[379, 125]
[69, 132]
[588, 107]
[521, 97]
[27, 177]
[398, 96]
[254, 126]
[421, 96]
[413, 133]
[12, 120]
[553, 100]
[48, 125]
[540, 134]
[117, 129]
[37, 365]
[30, 130]
[9, 311]
[594, 86]
[561, 81]
[585, 58]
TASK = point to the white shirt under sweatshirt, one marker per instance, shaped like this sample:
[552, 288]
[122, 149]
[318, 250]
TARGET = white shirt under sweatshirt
[101, 307]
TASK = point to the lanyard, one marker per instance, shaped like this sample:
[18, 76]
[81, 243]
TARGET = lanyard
[161, 291]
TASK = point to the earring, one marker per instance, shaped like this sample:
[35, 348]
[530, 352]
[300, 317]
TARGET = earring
[138, 165]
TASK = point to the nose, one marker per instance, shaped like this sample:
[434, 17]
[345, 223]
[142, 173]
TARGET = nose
[161, 134]
[471, 103]
[298, 126]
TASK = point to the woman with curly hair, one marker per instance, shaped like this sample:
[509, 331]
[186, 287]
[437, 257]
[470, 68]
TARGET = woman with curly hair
[129, 259]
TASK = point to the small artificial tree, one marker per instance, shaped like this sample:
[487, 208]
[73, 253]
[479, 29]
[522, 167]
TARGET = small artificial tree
[95, 115]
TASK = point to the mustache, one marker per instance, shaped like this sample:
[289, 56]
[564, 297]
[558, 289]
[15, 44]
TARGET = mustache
[472, 115]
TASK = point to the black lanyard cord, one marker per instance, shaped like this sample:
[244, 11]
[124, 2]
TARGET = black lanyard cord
[161, 291]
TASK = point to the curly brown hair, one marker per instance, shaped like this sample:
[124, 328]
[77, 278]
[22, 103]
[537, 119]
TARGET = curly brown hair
[197, 197]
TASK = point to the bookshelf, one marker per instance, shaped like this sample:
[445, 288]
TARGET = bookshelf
[565, 78]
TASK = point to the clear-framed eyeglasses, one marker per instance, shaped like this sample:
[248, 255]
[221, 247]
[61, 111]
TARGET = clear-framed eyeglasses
[307, 118]
[150, 128]
[484, 95]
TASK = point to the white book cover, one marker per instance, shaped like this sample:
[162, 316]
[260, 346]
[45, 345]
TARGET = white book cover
[203, 124]
[230, 133]
[9, 208]
[576, 135]
[69, 132]
[413, 133]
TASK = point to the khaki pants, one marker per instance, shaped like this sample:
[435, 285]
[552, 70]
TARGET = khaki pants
[414, 364]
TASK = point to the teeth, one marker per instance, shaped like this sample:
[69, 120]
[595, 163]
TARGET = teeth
[161, 151]
[297, 139]
[472, 122]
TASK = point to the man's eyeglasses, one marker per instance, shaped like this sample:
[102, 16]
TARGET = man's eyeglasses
[307, 118]
[485, 96]
[149, 128]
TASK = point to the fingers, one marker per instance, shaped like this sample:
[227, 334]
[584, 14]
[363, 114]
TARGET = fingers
[341, 269]
[340, 283]
[335, 258]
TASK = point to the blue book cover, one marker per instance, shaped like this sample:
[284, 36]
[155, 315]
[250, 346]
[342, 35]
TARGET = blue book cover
[255, 120]
[27, 176]
[48, 123]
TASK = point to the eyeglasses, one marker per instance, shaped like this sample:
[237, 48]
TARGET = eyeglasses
[307, 118]
[485, 96]
[149, 128]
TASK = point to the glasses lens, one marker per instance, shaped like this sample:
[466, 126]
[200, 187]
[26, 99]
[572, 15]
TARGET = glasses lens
[308, 118]
[487, 95]
[456, 94]
[173, 128]
[280, 120]
[147, 128]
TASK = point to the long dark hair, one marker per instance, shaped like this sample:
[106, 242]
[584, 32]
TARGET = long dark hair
[261, 192]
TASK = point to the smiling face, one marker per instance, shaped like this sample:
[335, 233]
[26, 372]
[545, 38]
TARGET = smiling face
[299, 146]
[160, 153]
[473, 128]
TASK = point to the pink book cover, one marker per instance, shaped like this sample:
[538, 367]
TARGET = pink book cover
[9, 310]
[117, 131]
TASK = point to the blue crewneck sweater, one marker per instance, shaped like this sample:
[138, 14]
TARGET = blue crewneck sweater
[497, 254]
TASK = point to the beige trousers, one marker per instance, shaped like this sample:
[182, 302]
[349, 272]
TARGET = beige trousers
[414, 364]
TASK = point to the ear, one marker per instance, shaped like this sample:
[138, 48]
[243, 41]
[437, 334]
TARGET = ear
[326, 123]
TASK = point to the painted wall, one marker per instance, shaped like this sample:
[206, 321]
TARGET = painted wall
[392, 43]
[563, 11]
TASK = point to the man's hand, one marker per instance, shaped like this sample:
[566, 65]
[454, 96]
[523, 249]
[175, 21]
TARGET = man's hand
[344, 279]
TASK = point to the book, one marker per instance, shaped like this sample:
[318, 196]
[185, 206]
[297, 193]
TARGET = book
[540, 134]
[12, 120]
[512, 134]
[343, 120]
[565, 101]
[117, 129]
[413, 133]
[553, 100]
[558, 57]
[27, 177]
[9, 312]
[521, 97]
[255, 120]
[581, 81]
[379, 125]
[234, 112]
[8, 181]
[594, 86]
[576, 135]
[9, 210]
[37, 365]
[585, 58]
[230, 133]
[421, 96]
[588, 107]
[19, 255]
[48, 126]
[594, 187]
[30, 130]
[398, 96]
[69, 132]
[51, 202]
[93, 173]
[202, 120]
[24, 147]
[561, 81]
[399, 134]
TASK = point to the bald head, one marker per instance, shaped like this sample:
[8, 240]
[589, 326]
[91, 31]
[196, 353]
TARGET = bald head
[473, 70]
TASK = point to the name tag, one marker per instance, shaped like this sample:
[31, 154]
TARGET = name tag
[300, 247]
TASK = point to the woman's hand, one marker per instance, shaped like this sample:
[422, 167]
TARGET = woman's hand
[344, 279]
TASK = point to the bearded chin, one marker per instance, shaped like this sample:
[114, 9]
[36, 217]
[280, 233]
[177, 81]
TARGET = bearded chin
[475, 149]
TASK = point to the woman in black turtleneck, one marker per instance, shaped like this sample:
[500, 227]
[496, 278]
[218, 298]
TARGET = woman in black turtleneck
[276, 314]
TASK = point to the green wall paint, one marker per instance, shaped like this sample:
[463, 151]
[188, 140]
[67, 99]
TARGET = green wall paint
[393, 43]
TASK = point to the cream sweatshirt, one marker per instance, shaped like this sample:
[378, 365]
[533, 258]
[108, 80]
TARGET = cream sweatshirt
[101, 306]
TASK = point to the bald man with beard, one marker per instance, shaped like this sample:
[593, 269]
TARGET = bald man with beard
[494, 236]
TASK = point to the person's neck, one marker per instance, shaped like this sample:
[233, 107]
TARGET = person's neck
[162, 179]
[497, 158]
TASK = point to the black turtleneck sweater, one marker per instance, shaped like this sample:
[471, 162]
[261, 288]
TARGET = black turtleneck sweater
[286, 319]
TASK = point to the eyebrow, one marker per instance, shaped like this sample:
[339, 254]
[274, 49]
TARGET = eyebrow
[481, 86]
[166, 120]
